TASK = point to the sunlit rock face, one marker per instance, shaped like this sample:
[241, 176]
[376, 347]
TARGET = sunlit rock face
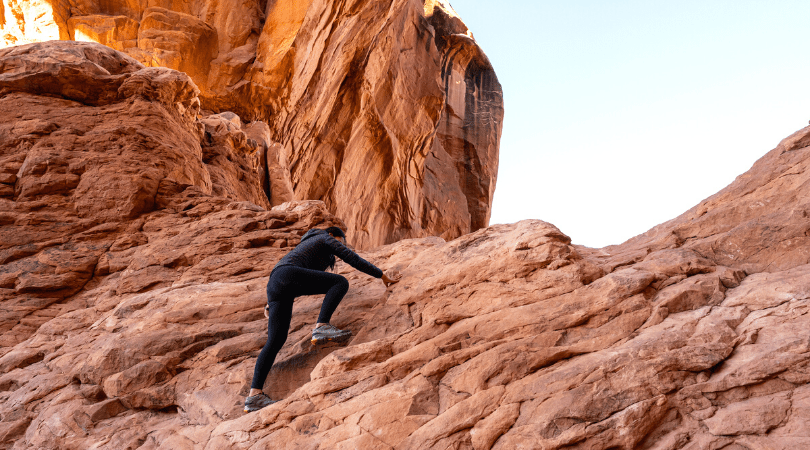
[388, 111]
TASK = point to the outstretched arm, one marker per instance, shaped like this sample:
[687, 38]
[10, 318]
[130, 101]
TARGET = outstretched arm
[352, 258]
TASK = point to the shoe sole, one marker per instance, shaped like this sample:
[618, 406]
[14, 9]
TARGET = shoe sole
[254, 410]
[316, 341]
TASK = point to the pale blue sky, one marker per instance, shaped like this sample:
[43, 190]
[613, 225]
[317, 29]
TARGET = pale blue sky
[621, 115]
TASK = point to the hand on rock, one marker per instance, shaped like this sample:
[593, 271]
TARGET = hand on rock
[388, 281]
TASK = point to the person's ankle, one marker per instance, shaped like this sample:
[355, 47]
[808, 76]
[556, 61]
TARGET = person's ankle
[254, 392]
[319, 324]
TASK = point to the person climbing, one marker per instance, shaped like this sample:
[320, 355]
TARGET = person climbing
[303, 272]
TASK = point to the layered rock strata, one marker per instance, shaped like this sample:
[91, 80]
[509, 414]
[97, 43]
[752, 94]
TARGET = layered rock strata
[136, 245]
[82, 178]
[386, 110]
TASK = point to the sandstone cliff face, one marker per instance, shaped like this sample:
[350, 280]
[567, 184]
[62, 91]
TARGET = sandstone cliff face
[386, 110]
[135, 244]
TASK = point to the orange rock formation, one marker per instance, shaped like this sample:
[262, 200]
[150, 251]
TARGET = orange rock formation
[135, 243]
[388, 111]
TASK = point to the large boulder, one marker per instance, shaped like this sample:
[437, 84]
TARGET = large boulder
[92, 142]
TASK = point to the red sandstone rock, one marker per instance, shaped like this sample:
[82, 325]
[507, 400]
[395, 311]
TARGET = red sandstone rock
[394, 126]
[76, 176]
[136, 325]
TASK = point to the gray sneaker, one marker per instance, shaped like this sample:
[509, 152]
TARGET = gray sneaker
[257, 402]
[328, 333]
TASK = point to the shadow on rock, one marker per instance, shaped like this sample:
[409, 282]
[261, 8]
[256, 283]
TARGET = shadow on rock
[290, 374]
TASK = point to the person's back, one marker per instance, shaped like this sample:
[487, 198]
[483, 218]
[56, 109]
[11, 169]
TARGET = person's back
[316, 250]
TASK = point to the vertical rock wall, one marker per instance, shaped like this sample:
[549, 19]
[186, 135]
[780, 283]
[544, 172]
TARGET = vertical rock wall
[387, 110]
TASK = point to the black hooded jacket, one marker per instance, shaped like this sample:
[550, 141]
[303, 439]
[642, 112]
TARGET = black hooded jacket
[317, 251]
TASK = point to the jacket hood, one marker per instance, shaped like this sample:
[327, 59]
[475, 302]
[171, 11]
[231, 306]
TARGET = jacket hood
[312, 232]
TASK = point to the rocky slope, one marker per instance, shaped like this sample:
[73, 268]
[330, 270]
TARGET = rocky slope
[135, 245]
[386, 110]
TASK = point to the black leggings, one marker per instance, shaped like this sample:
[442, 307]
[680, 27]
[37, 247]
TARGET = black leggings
[285, 284]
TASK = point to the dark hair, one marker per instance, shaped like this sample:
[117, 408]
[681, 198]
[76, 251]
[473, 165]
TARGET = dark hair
[336, 232]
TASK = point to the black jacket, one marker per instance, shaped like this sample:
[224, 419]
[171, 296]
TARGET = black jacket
[317, 251]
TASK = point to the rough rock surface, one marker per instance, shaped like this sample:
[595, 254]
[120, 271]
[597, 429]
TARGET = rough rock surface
[135, 247]
[386, 110]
